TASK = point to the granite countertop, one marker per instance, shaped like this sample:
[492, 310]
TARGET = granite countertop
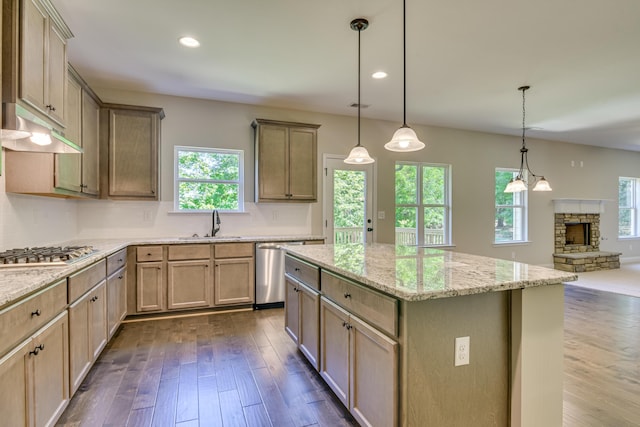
[414, 274]
[18, 282]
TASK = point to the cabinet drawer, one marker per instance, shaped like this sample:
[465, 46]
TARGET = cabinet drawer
[184, 252]
[115, 261]
[23, 318]
[81, 282]
[372, 306]
[148, 253]
[233, 250]
[302, 271]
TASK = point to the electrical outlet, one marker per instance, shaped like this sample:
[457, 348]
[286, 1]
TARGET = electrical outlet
[146, 216]
[513, 255]
[462, 351]
[381, 214]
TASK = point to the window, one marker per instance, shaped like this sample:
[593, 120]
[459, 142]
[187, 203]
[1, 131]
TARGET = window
[208, 178]
[628, 207]
[511, 210]
[423, 209]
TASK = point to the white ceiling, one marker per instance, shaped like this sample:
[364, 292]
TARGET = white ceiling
[465, 59]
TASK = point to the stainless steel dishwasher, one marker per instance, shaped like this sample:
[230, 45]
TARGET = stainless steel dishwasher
[270, 286]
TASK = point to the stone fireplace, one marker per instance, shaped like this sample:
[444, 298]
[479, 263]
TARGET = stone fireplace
[577, 237]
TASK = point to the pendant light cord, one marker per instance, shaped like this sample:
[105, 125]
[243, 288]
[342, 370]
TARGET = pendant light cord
[359, 32]
[523, 89]
[404, 62]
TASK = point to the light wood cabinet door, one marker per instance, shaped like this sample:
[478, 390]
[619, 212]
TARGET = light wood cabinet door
[309, 336]
[302, 164]
[68, 166]
[50, 372]
[90, 144]
[373, 375]
[189, 284]
[134, 137]
[116, 300]
[292, 309]
[273, 157]
[56, 74]
[43, 78]
[234, 281]
[34, 34]
[149, 286]
[98, 310]
[87, 332]
[334, 356]
[80, 353]
[13, 385]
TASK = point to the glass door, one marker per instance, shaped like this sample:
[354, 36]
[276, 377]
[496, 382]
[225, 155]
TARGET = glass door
[348, 201]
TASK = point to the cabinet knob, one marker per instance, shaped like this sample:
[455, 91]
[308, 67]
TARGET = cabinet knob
[296, 269]
[36, 313]
[120, 277]
[347, 295]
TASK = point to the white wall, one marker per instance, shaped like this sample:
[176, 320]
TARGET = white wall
[473, 156]
[34, 221]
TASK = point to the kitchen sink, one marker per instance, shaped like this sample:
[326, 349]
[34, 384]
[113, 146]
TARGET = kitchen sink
[208, 237]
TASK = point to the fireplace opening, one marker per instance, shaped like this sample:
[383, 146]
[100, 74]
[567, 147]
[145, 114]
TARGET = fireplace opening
[578, 234]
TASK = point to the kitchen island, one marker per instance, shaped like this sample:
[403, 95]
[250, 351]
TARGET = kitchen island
[388, 319]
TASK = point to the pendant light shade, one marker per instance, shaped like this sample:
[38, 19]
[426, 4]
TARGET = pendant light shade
[359, 155]
[405, 138]
[518, 183]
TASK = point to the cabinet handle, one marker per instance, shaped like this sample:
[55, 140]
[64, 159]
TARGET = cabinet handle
[94, 299]
[50, 107]
[36, 313]
[149, 254]
[347, 295]
[37, 349]
[120, 277]
[159, 268]
[296, 269]
[119, 259]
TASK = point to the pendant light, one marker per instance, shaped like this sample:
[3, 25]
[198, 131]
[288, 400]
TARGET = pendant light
[405, 138]
[359, 155]
[518, 183]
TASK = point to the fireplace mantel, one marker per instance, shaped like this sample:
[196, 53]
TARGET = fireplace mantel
[594, 206]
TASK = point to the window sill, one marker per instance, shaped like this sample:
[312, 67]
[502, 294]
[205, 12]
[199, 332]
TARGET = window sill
[629, 238]
[514, 243]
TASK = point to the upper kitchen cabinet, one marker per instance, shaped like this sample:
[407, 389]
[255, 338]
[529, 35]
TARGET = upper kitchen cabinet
[286, 161]
[130, 166]
[80, 172]
[35, 58]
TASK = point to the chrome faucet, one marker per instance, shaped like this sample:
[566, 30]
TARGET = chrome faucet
[215, 223]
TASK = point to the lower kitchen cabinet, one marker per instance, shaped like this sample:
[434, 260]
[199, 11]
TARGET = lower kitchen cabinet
[292, 309]
[116, 300]
[34, 377]
[302, 318]
[360, 364]
[234, 281]
[189, 284]
[87, 332]
[149, 286]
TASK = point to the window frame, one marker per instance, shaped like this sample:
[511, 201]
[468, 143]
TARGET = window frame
[420, 206]
[524, 206]
[177, 180]
[633, 207]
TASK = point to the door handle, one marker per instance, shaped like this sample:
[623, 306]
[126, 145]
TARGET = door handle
[369, 229]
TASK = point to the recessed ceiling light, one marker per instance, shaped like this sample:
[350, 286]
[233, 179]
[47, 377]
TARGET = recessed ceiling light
[379, 75]
[189, 42]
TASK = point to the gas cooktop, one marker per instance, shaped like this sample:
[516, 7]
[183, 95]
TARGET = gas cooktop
[48, 256]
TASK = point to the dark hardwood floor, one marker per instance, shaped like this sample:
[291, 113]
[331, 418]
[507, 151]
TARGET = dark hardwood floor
[241, 369]
[601, 359]
[231, 369]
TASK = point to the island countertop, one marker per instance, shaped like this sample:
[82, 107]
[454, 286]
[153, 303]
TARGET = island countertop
[413, 273]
